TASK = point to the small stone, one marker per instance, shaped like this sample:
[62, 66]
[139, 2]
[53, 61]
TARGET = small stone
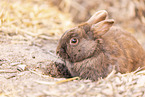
[33, 57]
[21, 67]
[14, 64]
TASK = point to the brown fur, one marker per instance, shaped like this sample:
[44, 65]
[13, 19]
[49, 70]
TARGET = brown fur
[99, 50]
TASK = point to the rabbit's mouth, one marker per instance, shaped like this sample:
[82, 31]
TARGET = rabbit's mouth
[62, 53]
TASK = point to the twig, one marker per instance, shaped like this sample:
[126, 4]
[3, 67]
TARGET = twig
[58, 82]
[11, 76]
[139, 69]
[67, 80]
[8, 71]
[111, 74]
[141, 72]
[45, 76]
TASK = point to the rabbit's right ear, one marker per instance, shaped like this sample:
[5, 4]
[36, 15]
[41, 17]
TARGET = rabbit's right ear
[97, 17]
[102, 27]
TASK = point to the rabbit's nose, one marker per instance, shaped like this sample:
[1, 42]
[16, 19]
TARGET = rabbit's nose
[60, 51]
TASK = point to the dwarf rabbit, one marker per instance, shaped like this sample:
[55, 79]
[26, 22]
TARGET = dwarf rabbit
[92, 49]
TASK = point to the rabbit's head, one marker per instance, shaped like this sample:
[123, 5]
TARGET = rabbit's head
[83, 41]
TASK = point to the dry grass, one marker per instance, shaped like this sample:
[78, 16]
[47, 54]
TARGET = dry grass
[39, 19]
[32, 17]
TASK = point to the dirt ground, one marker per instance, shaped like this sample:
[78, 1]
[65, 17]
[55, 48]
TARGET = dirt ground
[24, 56]
[16, 51]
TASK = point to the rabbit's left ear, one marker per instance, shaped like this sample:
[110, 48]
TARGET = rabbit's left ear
[102, 27]
[97, 17]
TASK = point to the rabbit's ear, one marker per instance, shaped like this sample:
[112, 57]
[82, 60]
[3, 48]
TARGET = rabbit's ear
[102, 27]
[97, 17]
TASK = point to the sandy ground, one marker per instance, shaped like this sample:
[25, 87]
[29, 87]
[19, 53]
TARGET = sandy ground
[36, 53]
[17, 51]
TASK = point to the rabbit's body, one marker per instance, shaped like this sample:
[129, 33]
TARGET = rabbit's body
[123, 50]
[92, 51]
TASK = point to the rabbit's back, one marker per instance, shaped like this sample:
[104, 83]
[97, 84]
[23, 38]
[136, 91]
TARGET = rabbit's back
[123, 50]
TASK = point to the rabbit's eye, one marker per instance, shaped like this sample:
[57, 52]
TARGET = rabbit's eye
[73, 41]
